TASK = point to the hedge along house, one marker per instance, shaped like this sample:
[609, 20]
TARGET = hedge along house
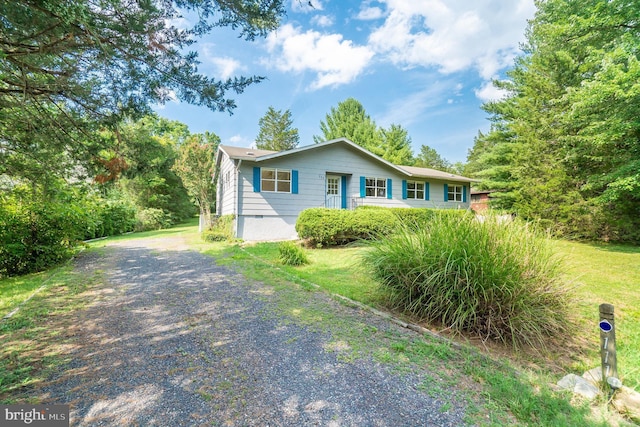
[267, 190]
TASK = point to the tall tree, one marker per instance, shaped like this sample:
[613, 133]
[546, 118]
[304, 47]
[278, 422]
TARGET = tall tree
[430, 158]
[195, 166]
[396, 145]
[70, 68]
[568, 133]
[350, 120]
[147, 149]
[276, 131]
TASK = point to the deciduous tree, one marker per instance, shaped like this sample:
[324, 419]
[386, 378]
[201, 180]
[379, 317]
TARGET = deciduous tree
[195, 167]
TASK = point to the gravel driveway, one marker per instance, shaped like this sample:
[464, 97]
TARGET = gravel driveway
[175, 340]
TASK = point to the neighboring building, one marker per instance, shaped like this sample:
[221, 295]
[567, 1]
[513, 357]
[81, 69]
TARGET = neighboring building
[267, 190]
[480, 200]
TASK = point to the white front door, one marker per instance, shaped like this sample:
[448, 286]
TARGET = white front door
[333, 200]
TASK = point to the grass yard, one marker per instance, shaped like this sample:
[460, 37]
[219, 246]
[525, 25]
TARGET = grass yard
[525, 395]
[514, 391]
[608, 274]
[600, 274]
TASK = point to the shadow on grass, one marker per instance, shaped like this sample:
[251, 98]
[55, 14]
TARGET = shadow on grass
[626, 249]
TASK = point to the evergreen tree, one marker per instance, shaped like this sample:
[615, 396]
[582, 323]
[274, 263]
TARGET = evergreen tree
[396, 145]
[71, 68]
[276, 132]
[350, 120]
[565, 144]
[430, 158]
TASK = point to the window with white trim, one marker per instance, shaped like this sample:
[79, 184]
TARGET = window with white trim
[375, 187]
[275, 180]
[454, 193]
[415, 190]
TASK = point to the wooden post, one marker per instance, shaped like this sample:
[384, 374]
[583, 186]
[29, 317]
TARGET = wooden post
[607, 343]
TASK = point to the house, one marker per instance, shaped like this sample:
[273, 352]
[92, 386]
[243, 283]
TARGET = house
[480, 200]
[267, 190]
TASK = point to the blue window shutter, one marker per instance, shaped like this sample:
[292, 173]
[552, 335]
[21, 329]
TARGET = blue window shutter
[363, 181]
[426, 191]
[404, 188]
[294, 181]
[256, 179]
[446, 192]
[464, 194]
[389, 194]
[343, 191]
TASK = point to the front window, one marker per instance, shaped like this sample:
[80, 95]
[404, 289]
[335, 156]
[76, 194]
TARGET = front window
[276, 180]
[376, 187]
[455, 193]
[415, 190]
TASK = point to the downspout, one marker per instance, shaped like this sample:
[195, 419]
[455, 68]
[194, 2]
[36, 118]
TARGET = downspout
[236, 198]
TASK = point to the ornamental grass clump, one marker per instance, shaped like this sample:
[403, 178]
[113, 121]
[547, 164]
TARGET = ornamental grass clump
[495, 279]
[292, 254]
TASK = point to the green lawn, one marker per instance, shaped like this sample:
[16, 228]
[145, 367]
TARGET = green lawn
[599, 273]
[604, 273]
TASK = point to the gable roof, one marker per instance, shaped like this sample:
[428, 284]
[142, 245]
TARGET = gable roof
[255, 155]
[244, 153]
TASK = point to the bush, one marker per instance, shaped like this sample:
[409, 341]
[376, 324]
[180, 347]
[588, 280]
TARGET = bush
[35, 236]
[326, 227]
[117, 217]
[292, 254]
[492, 279]
[220, 230]
[108, 217]
[152, 219]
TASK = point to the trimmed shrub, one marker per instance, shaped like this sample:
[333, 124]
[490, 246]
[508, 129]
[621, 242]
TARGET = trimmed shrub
[117, 217]
[292, 254]
[220, 230]
[326, 227]
[493, 279]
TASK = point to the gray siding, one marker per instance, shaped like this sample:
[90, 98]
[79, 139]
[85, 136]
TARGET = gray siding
[226, 187]
[271, 216]
[313, 166]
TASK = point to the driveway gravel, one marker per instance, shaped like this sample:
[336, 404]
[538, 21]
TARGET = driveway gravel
[172, 339]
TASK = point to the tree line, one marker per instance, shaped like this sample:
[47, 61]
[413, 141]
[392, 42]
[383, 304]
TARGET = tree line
[350, 120]
[81, 154]
[564, 143]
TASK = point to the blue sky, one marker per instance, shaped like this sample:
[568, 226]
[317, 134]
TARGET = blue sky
[426, 65]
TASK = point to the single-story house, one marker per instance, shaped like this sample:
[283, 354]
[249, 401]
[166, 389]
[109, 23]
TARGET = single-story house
[267, 190]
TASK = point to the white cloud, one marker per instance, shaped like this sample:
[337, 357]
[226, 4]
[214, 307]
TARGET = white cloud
[334, 60]
[369, 13]
[453, 36]
[414, 107]
[226, 67]
[322, 20]
[240, 141]
[488, 92]
[223, 66]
